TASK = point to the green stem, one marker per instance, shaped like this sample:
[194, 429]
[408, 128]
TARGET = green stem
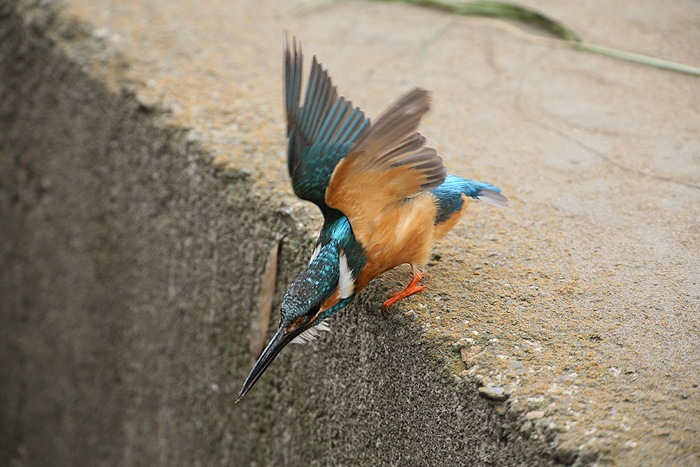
[495, 9]
[636, 58]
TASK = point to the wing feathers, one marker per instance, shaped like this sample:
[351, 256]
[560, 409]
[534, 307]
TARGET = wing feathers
[321, 131]
[388, 163]
[325, 118]
[393, 141]
[351, 128]
[292, 80]
[332, 120]
[412, 143]
[396, 124]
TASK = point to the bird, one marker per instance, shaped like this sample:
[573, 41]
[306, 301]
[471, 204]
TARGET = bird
[385, 197]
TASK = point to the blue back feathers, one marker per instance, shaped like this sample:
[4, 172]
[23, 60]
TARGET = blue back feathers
[449, 195]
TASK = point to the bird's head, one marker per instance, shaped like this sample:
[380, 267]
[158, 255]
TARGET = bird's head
[320, 290]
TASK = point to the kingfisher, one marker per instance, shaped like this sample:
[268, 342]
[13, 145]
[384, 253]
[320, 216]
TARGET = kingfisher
[385, 198]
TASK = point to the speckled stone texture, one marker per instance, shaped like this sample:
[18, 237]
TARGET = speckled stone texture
[143, 186]
[129, 274]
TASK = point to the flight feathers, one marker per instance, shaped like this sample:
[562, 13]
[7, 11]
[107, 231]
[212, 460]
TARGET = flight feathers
[393, 141]
[321, 132]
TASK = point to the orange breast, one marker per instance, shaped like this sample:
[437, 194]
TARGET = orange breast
[403, 234]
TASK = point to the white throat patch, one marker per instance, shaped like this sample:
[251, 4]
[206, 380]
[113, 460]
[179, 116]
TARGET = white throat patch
[346, 284]
[311, 334]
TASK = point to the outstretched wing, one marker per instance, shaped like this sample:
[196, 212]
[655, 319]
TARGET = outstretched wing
[321, 132]
[388, 163]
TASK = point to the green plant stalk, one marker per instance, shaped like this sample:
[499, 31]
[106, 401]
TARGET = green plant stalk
[495, 9]
[636, 58]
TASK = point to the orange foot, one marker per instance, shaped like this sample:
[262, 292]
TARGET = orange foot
[412, 288]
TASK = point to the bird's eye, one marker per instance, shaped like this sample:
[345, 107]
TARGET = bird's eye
[313, 311]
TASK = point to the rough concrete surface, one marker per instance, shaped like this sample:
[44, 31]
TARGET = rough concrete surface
[143, 185]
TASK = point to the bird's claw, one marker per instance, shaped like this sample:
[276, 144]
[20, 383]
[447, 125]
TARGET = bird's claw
[386, 312]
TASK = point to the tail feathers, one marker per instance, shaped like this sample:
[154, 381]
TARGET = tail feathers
[485, 192]
[450, 196]
[493, 198]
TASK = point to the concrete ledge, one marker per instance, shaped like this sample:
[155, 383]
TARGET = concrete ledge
[143, 186]
[130, 272]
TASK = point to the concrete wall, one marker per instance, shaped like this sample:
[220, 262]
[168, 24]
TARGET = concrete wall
[129, 281]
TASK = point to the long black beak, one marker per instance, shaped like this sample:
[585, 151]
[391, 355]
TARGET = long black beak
[277, 343]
